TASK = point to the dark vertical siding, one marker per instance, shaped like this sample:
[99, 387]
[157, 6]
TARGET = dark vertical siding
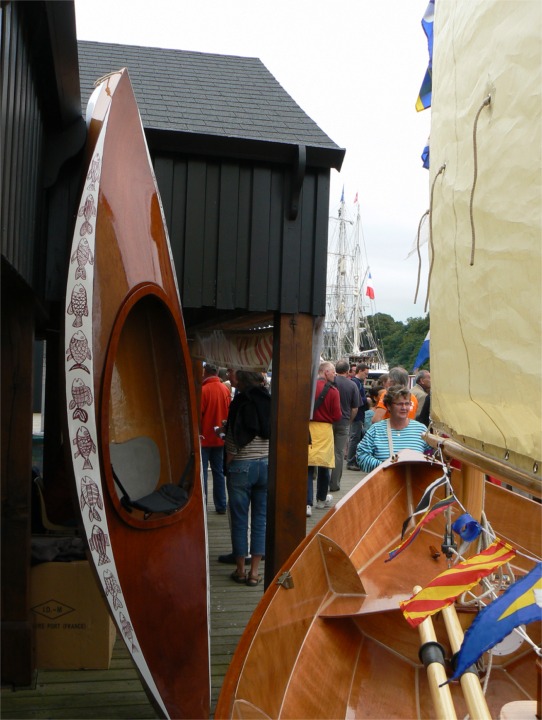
[276, 234]
[228, 257]
[163, 170]
[307, 220]
[259, 271]
[321, 203]
[21, 150]
[244, 240]
[234, 246]
[195, 224]
[210, 236]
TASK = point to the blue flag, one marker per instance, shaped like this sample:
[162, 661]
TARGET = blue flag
[423, 353]
[424, 98]
[425, 156]
[519, 605]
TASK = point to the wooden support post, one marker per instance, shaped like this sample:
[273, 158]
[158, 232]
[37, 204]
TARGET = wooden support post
[436, 674]
[17, 378]
[288, 455]
[470, 683]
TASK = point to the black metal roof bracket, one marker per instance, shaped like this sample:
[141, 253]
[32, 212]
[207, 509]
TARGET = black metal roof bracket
[298, 175]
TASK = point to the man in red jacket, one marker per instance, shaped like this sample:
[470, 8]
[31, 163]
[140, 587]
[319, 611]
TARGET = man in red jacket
[215, 403]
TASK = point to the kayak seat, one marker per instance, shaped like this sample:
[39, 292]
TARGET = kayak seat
[138, 463]
[167, 499]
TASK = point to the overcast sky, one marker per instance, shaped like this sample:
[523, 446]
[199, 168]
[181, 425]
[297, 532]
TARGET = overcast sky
[354, 66]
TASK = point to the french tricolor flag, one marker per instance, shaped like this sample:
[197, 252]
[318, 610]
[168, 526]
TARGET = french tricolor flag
[369, 289]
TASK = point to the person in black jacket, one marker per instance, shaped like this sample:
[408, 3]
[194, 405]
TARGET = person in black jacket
[247, 450]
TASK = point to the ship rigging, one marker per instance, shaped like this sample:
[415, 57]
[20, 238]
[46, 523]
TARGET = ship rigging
[349, 294]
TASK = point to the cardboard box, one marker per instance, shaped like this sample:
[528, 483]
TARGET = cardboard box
[72, 627]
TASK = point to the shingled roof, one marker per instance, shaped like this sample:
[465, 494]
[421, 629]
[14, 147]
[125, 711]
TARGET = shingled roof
[202, 93]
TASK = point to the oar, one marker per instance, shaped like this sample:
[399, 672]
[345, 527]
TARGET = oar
[470, 682]
[432, 656]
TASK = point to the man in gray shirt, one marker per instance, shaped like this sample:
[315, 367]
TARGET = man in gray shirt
[350, 402]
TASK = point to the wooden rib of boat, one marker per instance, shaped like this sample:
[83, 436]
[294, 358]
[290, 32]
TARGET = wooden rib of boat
[132, 418]
[328, 639]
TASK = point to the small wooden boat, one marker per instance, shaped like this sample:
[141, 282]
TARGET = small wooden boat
[132, 418]
[328, 639]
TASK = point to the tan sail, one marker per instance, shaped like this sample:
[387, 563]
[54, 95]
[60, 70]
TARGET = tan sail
[486, 338]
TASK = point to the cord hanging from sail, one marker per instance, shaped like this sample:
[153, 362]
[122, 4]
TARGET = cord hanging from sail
[485, 103]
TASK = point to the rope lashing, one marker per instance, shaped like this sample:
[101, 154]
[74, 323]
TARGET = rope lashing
[485, 103]
[426, 213]
[441, 169]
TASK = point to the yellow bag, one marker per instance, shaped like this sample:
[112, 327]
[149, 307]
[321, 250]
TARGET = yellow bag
[321, 445]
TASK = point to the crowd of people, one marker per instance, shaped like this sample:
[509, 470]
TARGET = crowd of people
[374, 423]
[363, 426]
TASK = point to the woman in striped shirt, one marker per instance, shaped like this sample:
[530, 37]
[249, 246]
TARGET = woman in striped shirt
[387, 437]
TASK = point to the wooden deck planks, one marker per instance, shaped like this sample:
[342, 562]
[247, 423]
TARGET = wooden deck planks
[118, 692]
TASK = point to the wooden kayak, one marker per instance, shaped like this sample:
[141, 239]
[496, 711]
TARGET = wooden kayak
[131, 411]
[329, 640]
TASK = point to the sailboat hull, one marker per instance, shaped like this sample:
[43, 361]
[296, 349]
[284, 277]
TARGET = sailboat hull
[328, 639]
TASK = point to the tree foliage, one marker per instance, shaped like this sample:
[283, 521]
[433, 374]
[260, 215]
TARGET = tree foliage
[400, 341]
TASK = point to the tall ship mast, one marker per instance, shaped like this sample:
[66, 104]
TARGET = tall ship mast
[349, 294]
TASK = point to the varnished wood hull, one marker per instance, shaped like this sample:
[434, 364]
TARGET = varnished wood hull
[126, 345]
[335, 644]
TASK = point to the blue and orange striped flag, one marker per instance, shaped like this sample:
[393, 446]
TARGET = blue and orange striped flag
[444, 589]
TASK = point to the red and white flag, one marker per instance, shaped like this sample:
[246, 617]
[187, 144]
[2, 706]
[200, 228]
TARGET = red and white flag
[369, 291]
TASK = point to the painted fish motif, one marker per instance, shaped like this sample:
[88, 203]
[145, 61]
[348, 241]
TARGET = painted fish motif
[85, 445]
[112, 588]
[90, 496]
[88, 211]
[128, 632]
[78, 305]
[94, 172]
[79, 351]
[98, 541]
[83, 255]
[81, 396]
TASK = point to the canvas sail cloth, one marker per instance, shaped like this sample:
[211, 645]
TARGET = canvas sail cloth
[486, 318]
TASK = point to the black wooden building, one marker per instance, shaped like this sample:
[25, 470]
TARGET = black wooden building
[243, 173]
[244, 178]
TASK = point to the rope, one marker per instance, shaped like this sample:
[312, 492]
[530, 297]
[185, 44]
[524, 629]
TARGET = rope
[441, 169]
[426, 213]
[486, 102]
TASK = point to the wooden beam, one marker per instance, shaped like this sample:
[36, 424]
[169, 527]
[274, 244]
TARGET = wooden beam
[473, 490]
[288, 455]
[17, 377]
